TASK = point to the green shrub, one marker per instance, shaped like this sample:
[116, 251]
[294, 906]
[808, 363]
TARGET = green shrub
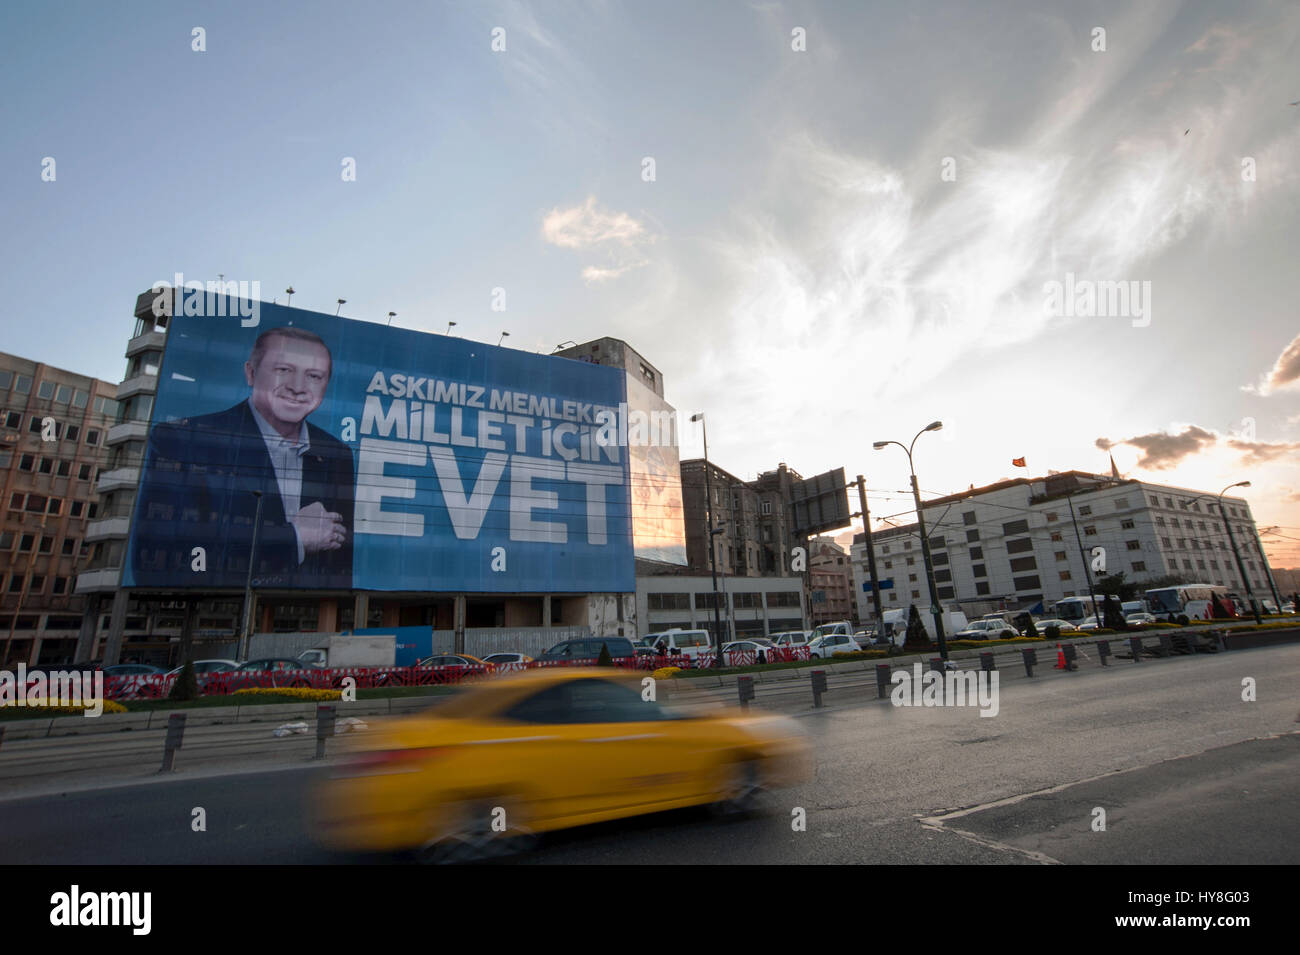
[1052, 631]
[186, 685]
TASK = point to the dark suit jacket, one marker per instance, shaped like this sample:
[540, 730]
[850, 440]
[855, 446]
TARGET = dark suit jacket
[196, 491]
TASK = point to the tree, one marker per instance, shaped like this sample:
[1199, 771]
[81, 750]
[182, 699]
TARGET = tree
[604, 660]
[916, 634]
[186, 686]
[1115, 585]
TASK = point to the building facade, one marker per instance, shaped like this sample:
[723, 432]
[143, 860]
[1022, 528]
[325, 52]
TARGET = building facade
[668, 597]
[53, 433]
[832, 582]
[1014, 544]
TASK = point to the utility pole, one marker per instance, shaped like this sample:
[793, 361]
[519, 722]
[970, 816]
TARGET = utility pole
[1087, 567]
[871, 555]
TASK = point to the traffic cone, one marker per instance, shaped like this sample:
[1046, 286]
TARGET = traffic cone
[1060, 659]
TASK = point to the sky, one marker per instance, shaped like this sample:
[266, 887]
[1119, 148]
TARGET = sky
[826, 223]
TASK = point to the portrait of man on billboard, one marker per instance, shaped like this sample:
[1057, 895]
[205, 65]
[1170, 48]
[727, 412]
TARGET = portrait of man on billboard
[202, 475]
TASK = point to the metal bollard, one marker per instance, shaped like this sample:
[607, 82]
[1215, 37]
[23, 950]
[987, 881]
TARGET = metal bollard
[745, 689]
[1030, 656]
[818, 686]
[175, 738]
[325, 715]
[1135, 646]
[884, 677]
[1070, 654]
[2, 735]
[986, 662]
[1103, 651]
[1166, 645]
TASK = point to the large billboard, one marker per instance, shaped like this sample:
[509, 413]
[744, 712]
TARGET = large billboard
[380, 459]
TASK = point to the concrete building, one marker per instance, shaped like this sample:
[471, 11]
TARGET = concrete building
[52, 450]
[148, 624]
[668, 596]
[757, 539]
[830, 568]
[1012, 544]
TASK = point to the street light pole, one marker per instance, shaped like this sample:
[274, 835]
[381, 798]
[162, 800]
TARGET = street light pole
[708, 510]
[935, 610]
[246, 637]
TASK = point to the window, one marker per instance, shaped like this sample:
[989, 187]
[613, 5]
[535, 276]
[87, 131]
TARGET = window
[1121, 503]
[979, 571]
[27, 462]
[1051, 516]
[77, 508]
[45, 389]
[911, 578]
[63, 395]
[885, 549]
[1015, 527]
[943, 576]
[1024, 563]
[911, 561]
[1020, 545]
[92, 437]
[79, 398]
[56, 506]
[60, 586]
[893, 596]
[916, 594]
[1174, 522]
[1169, 503]
[668, 601]
[1060, 555]
[1027, 583]
[981, 588]
[34, 426]
[889, 564]
[1126, 525]
[26, 543]
[73, 432]
[767, 508]
[6, 379]
[972, 536]
[36, 503]
[1090, 532]
[1165, 543]
[1133, 545]
[16, 584]
[939, 559]
[968, 518]
[69, 546]
[47, 545]
[977, 553]
[907, 545]
[1160, 522]
[13, 419]
[1085, 510]
[46, 466]
[1139, 566]
[938, 542]
[65, 468]
[946, 593]
[23, 384]
[83, 473]
[1056, 536]
[1065, 575]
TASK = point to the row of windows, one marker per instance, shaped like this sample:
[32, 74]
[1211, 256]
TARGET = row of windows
[13, 420]
[36, 584]
[55, 467]
[748, 600]
[51, 391]
[40, 504]
[45, 546]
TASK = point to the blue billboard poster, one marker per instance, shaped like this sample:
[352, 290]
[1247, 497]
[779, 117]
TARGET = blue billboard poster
[344, 454]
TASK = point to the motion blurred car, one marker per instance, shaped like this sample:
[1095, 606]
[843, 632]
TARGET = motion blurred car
[207, 666]
[565, 747]
[586, 650]
[437, 669]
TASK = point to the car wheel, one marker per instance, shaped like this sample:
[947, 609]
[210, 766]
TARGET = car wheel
[746, 793]
[474, 834]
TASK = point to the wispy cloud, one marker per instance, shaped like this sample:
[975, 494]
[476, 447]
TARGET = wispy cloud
[616, 237]
[1285, 373]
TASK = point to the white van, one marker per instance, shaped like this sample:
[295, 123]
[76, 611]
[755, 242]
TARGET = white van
[692, 644]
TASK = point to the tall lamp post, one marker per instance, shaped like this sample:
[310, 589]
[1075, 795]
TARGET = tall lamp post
[935, 609]
[246, 637]
[1232, 542]
[708, 510]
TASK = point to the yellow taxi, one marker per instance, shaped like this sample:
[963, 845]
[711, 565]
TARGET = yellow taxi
[542, 750]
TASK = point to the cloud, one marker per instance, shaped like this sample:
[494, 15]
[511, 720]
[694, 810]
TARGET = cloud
[1162, 451]
[1285, 372]
[1261, 452]
[1105, 444]
[614, 236]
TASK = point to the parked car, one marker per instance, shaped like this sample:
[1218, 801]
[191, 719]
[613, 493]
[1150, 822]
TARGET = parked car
[790, 639]
[268, 671]
[747, 652]
[508, 660]
[207, 666]
[986, 629]
[1061, 625]
[133, 669]
[1139, 618]
[1089, 623]
[586, 650]
[437, 669]
[693, 645]
[827, 645]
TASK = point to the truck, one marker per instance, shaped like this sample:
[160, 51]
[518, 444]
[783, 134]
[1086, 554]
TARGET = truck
[345, 650]
[894, 624]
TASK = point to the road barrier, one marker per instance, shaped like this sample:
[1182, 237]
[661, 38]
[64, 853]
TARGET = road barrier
[818, 686]
[745, 690]
[173, 742]
[325, 716]
[884, 678]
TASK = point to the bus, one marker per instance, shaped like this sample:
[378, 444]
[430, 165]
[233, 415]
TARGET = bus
[1186, 600]
[1075, 609]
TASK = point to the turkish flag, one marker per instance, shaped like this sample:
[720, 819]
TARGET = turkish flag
[1018, 462]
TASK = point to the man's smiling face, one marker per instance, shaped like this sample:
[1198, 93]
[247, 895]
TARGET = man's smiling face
[289, 382]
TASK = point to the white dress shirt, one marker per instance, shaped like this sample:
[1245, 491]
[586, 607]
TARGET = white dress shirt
[286, 458]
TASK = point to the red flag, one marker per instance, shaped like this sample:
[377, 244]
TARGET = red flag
[1018, 462]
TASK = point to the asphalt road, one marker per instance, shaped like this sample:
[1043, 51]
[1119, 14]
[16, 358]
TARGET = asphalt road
[1185, 770]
